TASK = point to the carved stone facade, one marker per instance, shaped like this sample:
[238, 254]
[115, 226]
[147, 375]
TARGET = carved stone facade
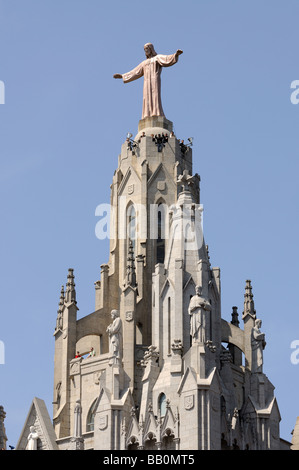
[38, 432]
[183, 377]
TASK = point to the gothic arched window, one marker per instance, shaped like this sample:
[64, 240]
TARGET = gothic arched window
[169, 324]
[162, 405]
[90, 417]
[131, 226]
[160, 249]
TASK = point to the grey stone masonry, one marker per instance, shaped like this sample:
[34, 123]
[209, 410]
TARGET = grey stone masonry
[170, 373]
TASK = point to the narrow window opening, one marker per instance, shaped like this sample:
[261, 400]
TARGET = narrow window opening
[169, 325]
[160, 240]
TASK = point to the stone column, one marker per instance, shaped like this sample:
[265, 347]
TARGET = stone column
[128, 316]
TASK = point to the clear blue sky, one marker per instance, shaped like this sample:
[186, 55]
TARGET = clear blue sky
[61, 130]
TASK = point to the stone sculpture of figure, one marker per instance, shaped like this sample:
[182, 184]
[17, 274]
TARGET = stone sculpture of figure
[198, 307]
[77, 420]
[234, 418]
[258, 343]
[32, 439]
[115, 335]
[59, 321]
[151, 69]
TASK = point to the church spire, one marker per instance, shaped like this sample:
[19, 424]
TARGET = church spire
[70, 295]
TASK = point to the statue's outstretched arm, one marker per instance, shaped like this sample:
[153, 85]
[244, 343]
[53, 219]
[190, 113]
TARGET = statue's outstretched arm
[134, 74]
[178, 52]
[169, 60]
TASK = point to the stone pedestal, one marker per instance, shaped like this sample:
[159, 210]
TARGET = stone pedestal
[115, 380]
[154, 125]
[76, 443]
[155, 122]
[197, 359]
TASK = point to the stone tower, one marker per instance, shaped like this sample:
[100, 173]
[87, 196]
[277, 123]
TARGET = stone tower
[166, 370]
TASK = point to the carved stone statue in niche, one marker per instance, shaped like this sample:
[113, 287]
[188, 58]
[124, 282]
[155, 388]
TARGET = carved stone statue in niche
[198, 307]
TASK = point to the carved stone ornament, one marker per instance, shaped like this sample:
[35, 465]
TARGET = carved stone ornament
[103, 422]
[161, 185]
[130, 188]
[189, 402]
[97, 377]
[177, 346]
[75, 368]
[129, 316]
[150, 356]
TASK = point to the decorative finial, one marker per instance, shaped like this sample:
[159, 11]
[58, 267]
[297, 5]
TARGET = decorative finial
[248, 301]
[185, 181]
[70, 287]
[235, 317]
[59, 320]
[62, 298]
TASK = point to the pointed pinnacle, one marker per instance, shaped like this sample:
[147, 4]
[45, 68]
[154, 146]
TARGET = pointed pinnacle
[61, 300]
[248, 300]
[70, 287]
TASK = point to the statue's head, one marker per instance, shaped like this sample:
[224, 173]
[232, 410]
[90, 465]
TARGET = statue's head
[149, 50]
[198, 290]
[114, 313]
